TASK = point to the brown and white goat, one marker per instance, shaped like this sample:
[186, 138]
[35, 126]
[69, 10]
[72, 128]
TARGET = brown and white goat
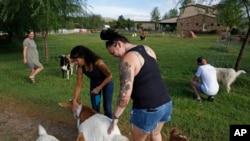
[175, 135]
[93, 126]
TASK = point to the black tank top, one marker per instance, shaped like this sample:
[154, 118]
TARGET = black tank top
[95, 75]
[149, 89]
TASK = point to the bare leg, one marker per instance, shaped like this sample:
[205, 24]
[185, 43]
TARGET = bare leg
[31, 72]
[156, 134]
[194, 85]
[34, 72]
[137, 134]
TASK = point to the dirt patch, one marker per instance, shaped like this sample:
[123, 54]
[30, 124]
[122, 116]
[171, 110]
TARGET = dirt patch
[19, 122]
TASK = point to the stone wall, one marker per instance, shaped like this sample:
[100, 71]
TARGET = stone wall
[199, 23]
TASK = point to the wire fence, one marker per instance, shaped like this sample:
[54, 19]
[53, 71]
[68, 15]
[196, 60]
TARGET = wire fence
[224, 54]
[54, 50]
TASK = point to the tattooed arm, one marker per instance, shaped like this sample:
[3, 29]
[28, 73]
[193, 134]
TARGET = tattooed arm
[128, 68]
[126, 85]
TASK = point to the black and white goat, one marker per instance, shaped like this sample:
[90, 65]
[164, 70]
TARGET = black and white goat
[67, 65]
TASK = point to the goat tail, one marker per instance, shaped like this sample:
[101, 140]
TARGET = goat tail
[120, 138]
[239, 72]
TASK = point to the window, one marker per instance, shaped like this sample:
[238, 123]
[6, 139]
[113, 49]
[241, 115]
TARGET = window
[205, 26]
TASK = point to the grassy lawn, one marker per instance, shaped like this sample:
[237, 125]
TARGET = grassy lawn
[177, 60]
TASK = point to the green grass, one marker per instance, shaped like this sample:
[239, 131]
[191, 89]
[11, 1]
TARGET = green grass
[177, 61]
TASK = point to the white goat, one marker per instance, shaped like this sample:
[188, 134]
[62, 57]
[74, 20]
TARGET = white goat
[227, 76]
[43, 136]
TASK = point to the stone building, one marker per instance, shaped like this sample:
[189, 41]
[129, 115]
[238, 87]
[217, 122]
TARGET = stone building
[192, 17]
[198, 18]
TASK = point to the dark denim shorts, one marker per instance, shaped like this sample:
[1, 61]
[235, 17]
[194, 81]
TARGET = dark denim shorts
[147, 119]
[198, 86]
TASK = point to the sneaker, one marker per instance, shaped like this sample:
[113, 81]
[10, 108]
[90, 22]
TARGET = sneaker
[199, 100]
[210, 98]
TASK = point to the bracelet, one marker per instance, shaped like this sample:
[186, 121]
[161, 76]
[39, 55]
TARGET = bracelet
[115, 117]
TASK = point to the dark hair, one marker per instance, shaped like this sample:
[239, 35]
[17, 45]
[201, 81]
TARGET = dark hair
[199, 59]
[110, 36]
[81, 51]
[29, 31]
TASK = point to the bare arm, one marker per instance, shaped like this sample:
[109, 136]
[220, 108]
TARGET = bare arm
[197, 79]
[24, 54]
[129, 67]
[126, 85]
[77, 88]
[105, 70]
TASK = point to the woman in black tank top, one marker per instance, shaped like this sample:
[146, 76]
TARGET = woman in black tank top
[141, 81]
[100, 77]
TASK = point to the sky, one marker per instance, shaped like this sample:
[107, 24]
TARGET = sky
[133, 9]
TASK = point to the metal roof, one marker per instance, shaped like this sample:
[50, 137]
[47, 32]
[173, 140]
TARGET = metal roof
[170, 20]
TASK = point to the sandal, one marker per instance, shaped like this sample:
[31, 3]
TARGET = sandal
[32, 79]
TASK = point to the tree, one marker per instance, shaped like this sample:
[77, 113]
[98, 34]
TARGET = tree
[93, 21]
[49, 14]
[124, 23]
[230, 13]
[172, 13]
[121, 22]
[138, 25]
[185, 2]
[245, 41]
[155, 17]
[130, 24]
[15, 16]
[244, 5]
[40, 15]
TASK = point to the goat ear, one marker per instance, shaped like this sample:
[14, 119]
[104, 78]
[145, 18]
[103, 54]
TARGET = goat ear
[182, 138]
[80, 137]
[79, 101]
[174, 130]
[63, 104]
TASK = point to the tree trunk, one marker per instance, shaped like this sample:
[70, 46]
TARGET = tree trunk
[45, 41]
[245, 42]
